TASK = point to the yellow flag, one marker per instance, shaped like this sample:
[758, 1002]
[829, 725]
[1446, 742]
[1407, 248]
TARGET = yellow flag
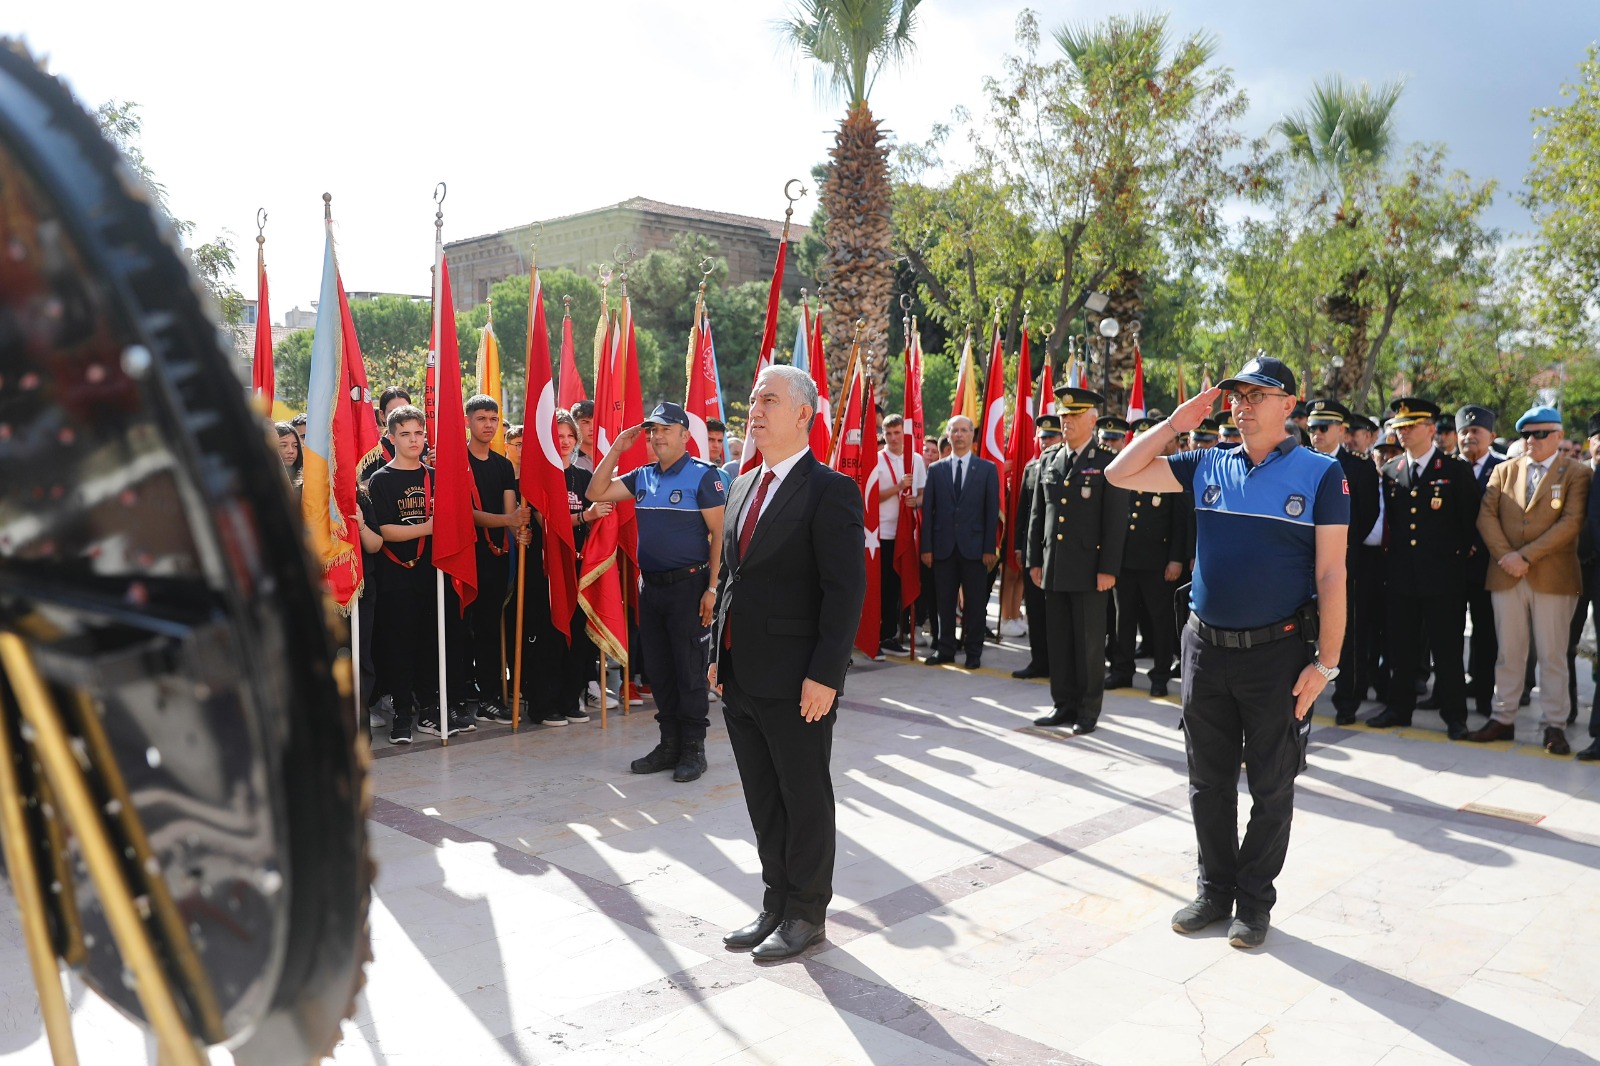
[489, 381]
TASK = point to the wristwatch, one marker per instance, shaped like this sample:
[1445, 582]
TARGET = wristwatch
[1328, 672]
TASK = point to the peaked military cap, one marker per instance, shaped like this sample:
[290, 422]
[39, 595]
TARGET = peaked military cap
[1409, 411]
[1070, 399]
[1325, 412]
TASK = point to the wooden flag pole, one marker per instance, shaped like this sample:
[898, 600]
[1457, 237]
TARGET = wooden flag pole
[605, 693]
[625, 689]
[355, 666]
[516, 664]
[443, 710]
[849, 369]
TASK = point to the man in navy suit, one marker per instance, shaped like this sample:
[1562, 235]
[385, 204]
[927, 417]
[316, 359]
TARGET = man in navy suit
[960, 521]
[1475, 435]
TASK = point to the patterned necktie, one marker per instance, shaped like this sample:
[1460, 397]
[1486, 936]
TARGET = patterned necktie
[1535, 475]
[747, 530]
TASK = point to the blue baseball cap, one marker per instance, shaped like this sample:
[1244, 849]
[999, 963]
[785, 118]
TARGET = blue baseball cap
[1539, 414]
[1265, 371]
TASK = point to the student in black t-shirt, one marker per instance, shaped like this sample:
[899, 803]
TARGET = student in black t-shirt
[498, 515]
[401, 495]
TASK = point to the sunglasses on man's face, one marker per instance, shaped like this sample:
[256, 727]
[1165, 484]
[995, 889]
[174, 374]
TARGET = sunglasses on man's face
[1320, 427]
[1538, 434]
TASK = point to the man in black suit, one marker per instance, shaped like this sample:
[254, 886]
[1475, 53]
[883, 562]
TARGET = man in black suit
[1048, 429]
[1431, 516]
[1078, 525]
[1475, 432]
[789, 596]
[960, 521]
[1328, 423]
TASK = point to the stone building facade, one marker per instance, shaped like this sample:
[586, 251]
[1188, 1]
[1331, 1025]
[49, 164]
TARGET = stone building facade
[582, 241]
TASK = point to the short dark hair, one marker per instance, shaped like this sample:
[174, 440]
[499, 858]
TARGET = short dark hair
[481, 402]
[401, 415]
[583, 409]
[298, 420]
[514, 431]
[393, 392]
[893, 420]
[715, 425]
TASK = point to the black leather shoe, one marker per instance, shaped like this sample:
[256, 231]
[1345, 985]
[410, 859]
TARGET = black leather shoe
[1082, 728]
[1456, 730]
[1113, 681]
[1387, 719]
[1158, 689]
[939, 660]
[1344, 718]
[754, 933]
[1428, 703]
[790, 938]
[973, 662]
[1057, 718]
[1591, 753]
[1026, 672]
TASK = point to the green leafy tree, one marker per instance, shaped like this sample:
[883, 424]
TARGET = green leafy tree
[1564, 198]
[291, 367]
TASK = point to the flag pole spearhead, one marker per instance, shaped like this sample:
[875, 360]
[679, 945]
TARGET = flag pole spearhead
[327, 207]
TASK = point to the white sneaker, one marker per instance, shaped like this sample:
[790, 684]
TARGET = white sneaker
[922, 639]
[593, 692]
[1013, 627]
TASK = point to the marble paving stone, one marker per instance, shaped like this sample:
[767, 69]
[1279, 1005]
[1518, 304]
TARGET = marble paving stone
[1003, 895]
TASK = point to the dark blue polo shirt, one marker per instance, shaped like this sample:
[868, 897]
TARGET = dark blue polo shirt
[672, 532]
[1256, 544]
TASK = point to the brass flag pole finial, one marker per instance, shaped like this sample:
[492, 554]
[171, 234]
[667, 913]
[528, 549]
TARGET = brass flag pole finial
[566, 307]
[793, 198]
[327, 207]
[440, 191]
[261, 225]
[533, 243]
[708, 266]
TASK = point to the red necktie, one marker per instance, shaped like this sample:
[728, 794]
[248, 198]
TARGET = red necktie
[746, 531]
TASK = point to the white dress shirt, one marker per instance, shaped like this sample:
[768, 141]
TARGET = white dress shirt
[781, 471]
[891, 468]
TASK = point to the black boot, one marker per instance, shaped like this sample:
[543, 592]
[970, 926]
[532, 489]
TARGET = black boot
[692, 762]
[663, 757]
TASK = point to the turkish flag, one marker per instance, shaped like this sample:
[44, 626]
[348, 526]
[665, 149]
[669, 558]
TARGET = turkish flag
[822, 425]
[543, 475]
[908, 534]
[992, 422]
[1020, 450]
[570, 389]
[859, 423]
[701, 402]
[455, 534]
[769, 343]
[262, 377]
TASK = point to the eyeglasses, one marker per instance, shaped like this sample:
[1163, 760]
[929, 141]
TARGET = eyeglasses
[1539, 434]
[1320, 427]
[1254, 398]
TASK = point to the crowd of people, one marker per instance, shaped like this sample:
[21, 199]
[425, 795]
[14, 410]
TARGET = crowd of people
[1435, 537]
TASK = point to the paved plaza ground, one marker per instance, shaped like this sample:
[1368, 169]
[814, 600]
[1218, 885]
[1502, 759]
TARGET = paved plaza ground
[1003, 896]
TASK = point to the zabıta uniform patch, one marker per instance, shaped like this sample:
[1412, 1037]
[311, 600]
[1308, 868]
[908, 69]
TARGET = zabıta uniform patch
[1295, 506]
[1212, 494]
[676, 496]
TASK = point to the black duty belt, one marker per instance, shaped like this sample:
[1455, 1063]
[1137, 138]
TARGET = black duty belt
[672, 577]
[1244, 638]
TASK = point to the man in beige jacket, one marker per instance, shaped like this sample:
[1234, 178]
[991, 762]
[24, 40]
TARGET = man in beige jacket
[1530, 518]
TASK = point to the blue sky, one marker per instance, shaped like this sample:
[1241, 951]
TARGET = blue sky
[541, 108]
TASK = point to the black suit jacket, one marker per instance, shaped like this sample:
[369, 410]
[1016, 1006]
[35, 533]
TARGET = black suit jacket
[969, 526]
[1158, 530]
[1431, 526]
[794, 600]
[1079, 521]
[1478, 564]
[1361, 477]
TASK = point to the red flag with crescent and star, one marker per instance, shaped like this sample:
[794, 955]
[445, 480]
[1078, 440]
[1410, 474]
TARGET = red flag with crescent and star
[543, 475]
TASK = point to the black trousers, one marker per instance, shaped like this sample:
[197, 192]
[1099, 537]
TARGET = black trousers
[672, 645]
[928, 605]
[1076, 625]
[1144, 600]
[1239, 703]
[1038, 628]
[1348, 687]
[483, 619]
[554, 672]
[890, 612]
[1416, 622]
[1370, 663]
[954, 575]
[788, 789]
[407, 656]
[1483, 647]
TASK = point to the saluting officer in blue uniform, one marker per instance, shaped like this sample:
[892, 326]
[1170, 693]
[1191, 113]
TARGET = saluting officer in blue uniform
[679, 501]
[1271, 522]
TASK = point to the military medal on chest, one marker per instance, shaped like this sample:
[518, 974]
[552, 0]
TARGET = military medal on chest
[1155, 500]
[1555, 497]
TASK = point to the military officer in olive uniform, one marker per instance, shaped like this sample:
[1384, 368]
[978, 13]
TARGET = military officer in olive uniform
[1048, 430]
[1153, 558]
[1077, 527]
[1328, 421]
[1431, 514]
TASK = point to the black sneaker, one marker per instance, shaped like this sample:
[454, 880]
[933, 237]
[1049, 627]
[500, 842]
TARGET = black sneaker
[691, 762]
[428, 722]
[893, 647]
[461, 721]
[400, 729]
[553, 718]
[1202, 912]
[490, 711]
[575, 714]
[1248, 930]
[664, 756]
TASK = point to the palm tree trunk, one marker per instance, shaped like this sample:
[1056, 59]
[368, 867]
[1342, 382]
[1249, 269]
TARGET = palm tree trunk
[858, 272]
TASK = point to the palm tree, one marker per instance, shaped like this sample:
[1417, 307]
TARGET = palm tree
[1342, 130]
[851, 42]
